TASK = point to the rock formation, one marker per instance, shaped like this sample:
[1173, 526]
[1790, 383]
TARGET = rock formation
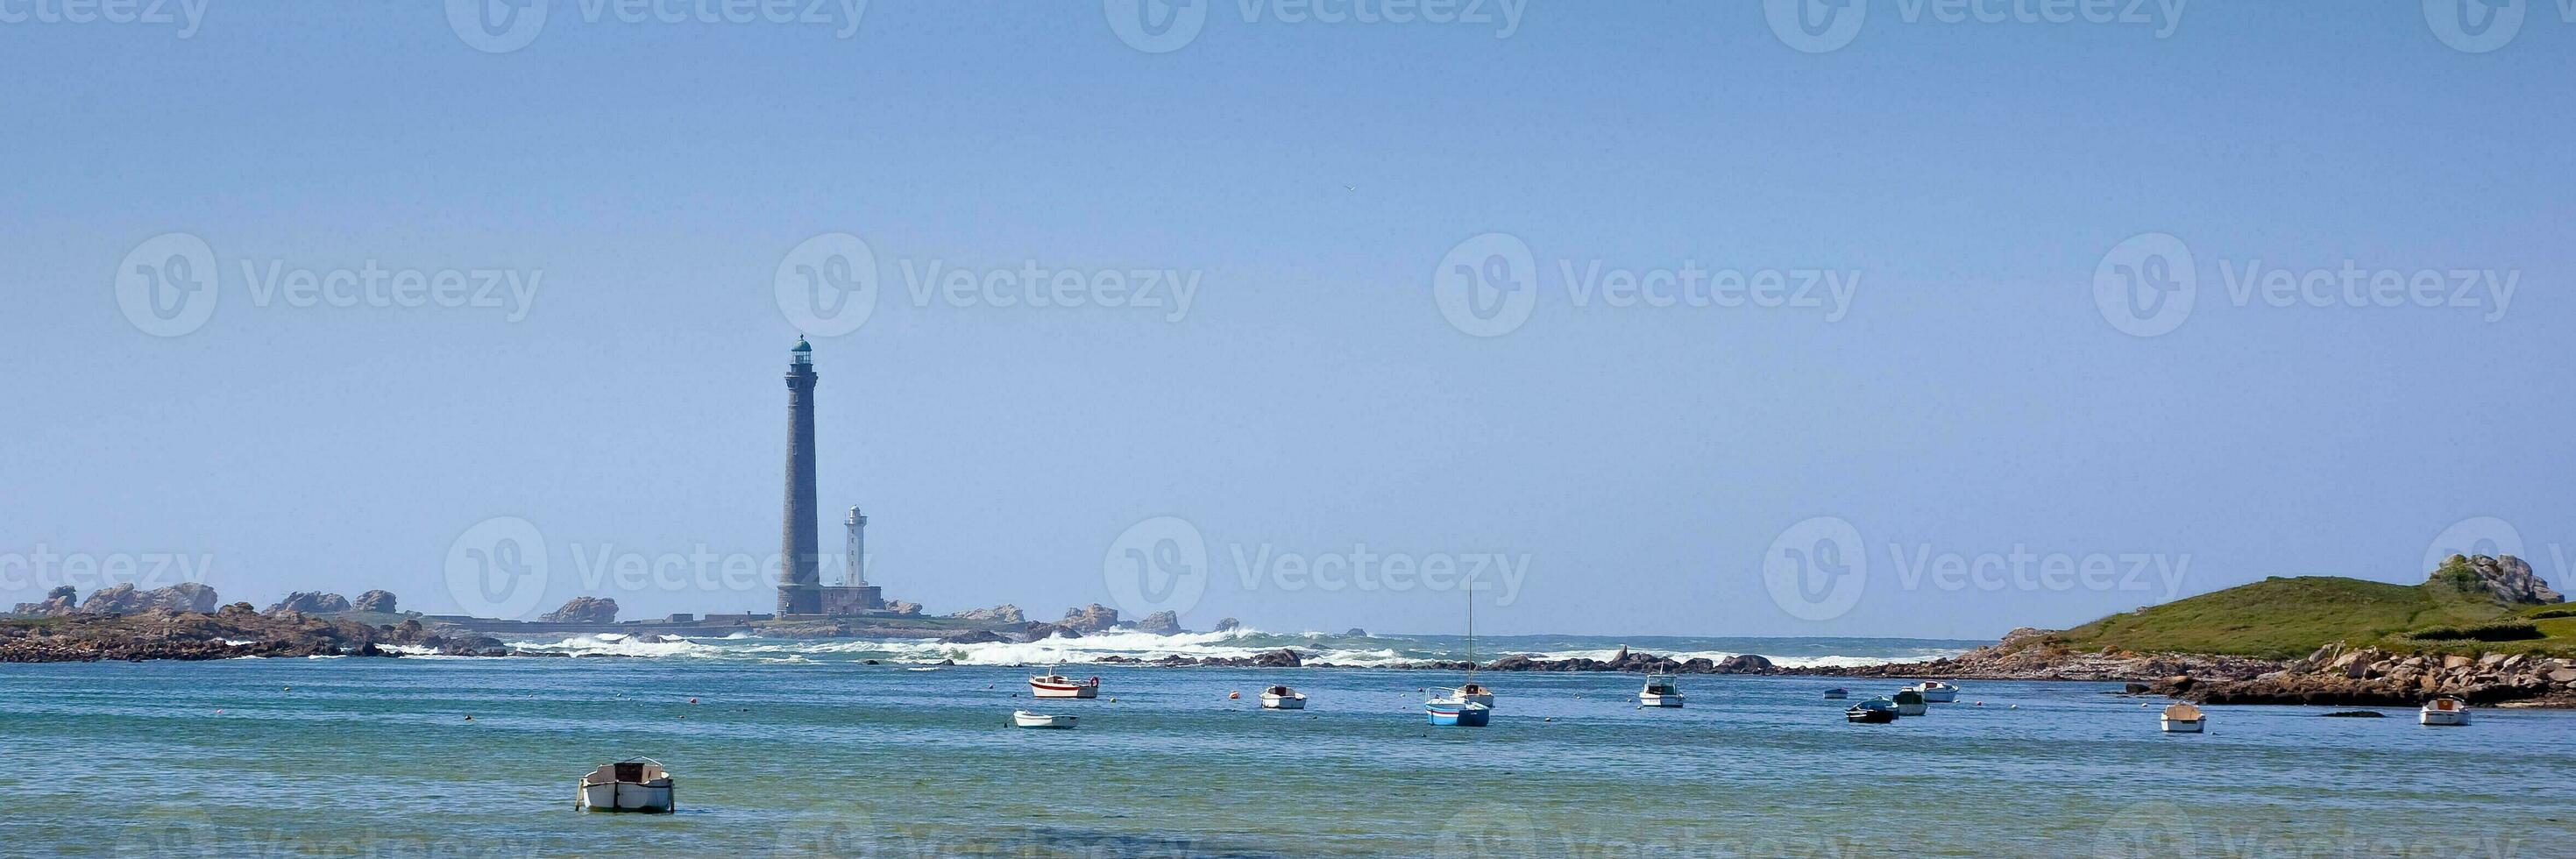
[902, 607]
[2335, 675]
[124, 599]
[1004, 613]
[375, 601]
[59, 601]
[1159, 623]
[2508, 578]
[974, 636]
[311, 602]
[583, 610]
[1228, 625]
[1093, 619]
[1041, 630]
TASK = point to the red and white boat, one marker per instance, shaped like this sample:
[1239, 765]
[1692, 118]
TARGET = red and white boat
[1054, 685]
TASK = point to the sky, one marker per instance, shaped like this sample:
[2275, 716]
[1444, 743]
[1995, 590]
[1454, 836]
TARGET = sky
[1662, 318]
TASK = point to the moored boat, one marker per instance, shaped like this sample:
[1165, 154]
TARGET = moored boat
[1282, 698]
[1474, 693]
[2183, 719]
[1054, 685]
[1026, 719]
[634, 784]
[1660, 691]
[2444, 711]
[1909, 702]
[1936, 692]
[1447, 711]
[1875, 711]
[1837, 693]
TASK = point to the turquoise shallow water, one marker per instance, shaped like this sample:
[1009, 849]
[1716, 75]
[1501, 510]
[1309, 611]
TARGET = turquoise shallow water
[835, 757]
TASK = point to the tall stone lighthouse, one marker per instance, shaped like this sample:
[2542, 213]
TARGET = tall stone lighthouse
[800, 583]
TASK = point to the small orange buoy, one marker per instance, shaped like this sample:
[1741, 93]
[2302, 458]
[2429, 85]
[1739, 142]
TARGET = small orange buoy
[1234, 696]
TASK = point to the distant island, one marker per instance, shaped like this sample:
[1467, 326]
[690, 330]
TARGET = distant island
[2482, 628]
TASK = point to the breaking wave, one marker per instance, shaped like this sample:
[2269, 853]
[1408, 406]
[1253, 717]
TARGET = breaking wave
[1312, 647]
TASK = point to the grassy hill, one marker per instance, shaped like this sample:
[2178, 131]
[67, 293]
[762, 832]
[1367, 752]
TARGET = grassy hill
[2286, 618]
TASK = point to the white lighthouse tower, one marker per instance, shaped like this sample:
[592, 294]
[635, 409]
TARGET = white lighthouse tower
[858, 546]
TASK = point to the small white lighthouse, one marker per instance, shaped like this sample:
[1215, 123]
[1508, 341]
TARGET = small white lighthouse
[857, 571]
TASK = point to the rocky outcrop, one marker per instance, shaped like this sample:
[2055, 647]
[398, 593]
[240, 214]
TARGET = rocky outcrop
[2508, 578]
[902, 607]
[1280, 658]
[161, 633]
[2369, 676]
[378, 601]
[1041, 630]
[583, 610]
[1228, 625]
[1004, 613]
[311, 602]
[124, 599]
[1093, 619]
[1356, 632]
[977, 636]
[59, 601]
[1158, 623]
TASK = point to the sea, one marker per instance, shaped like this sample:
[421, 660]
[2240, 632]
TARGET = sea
[805, 748]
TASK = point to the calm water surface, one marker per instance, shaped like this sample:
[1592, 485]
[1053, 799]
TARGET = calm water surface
[835, 757]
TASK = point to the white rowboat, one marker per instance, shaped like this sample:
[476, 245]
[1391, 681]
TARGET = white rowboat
[2183, 719]
[2444, 712]
[1026, 719]
[636, 784]
[1282, 698]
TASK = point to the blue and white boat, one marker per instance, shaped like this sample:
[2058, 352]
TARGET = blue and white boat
[1448, 711]
[1469, 705]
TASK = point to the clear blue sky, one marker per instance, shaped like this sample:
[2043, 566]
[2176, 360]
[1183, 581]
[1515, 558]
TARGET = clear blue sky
[1973, 398]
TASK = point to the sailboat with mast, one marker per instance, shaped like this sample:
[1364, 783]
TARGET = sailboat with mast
[1470, 705]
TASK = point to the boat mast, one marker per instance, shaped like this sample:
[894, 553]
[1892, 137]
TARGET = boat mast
[1471, 630]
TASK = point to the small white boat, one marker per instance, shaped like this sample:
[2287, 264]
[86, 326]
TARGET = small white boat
[1660, 691]
[1909, 702]
[1473, 693]
[1282, 698]
[635, 784]
[2184, 719]
[1026, 719]
[1936, 692]
[1054, 685]
[2444, 711]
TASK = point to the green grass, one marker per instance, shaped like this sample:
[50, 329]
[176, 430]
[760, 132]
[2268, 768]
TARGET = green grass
[2286, 618]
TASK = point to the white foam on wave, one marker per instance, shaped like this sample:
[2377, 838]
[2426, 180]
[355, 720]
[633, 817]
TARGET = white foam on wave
[614, 644]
